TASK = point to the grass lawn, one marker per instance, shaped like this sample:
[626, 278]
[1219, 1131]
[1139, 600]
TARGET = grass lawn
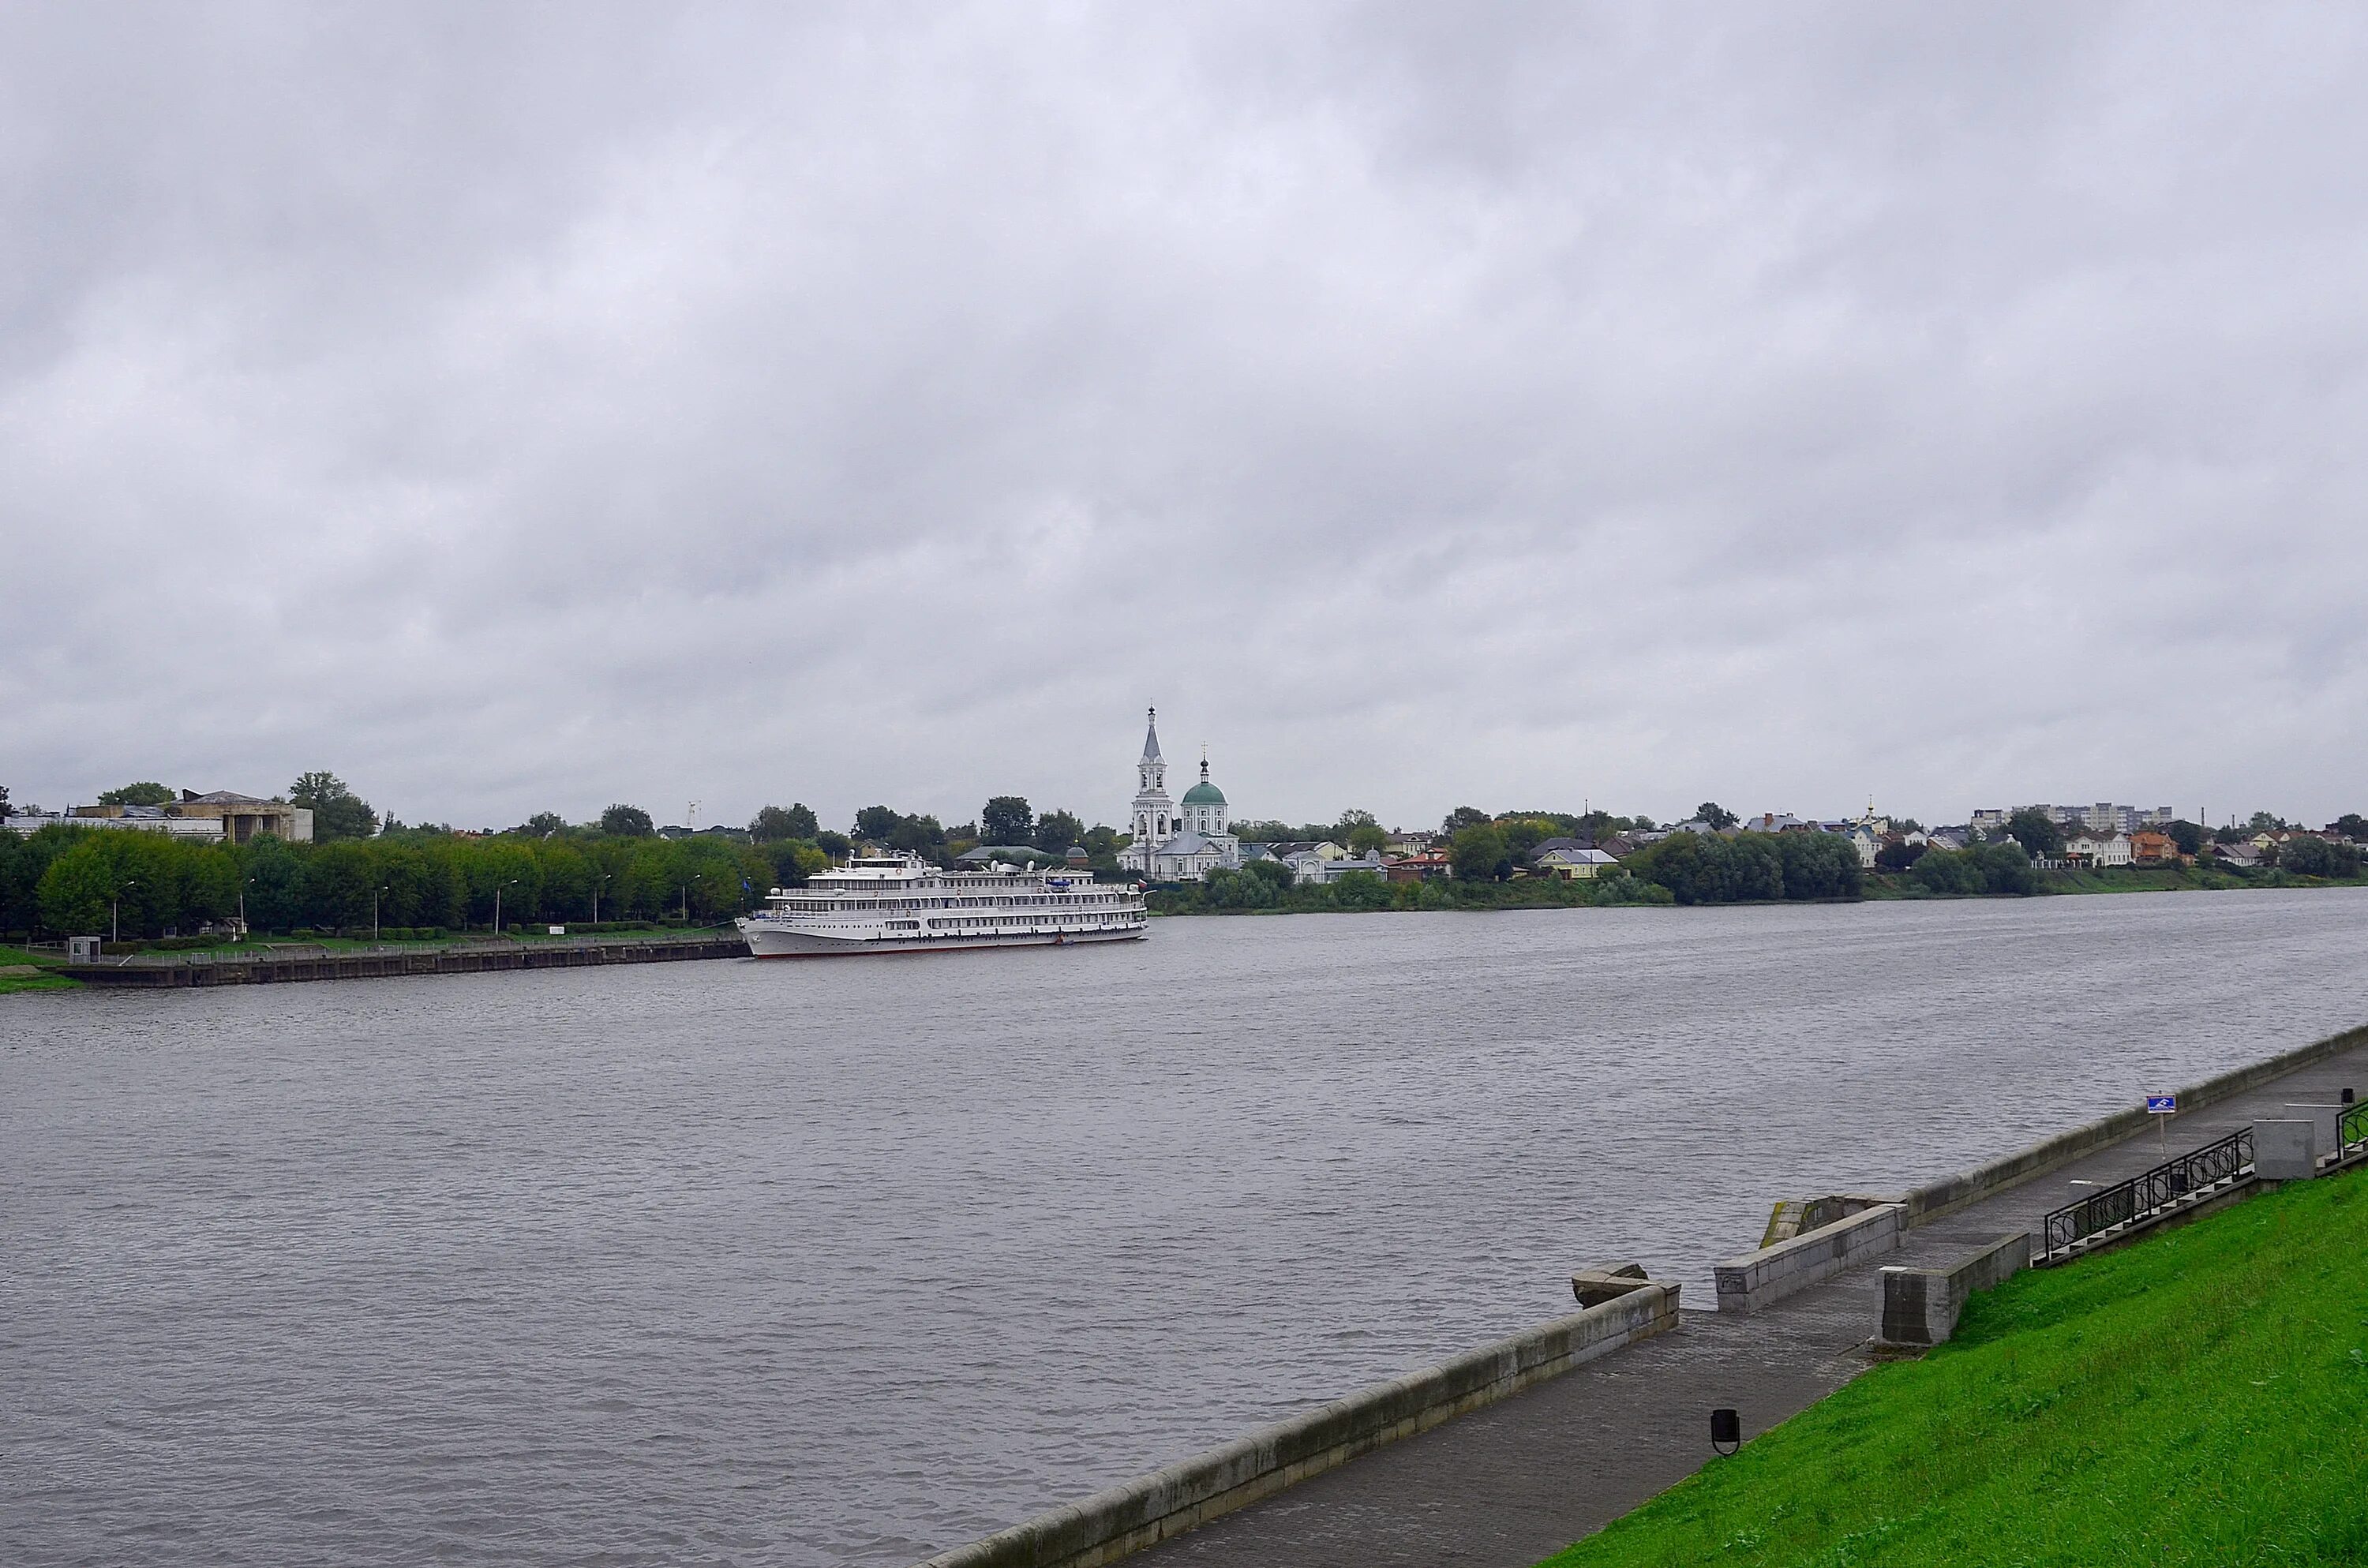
[2198, 1398]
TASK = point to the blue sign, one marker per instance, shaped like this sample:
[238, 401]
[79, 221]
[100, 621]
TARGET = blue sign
[2163, 1105]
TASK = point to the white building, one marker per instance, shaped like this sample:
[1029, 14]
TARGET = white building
[2105, 817]
[1313, 869]
[2100, 849]
[1173, 844]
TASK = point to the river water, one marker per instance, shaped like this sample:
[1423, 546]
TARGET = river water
[844, 1263]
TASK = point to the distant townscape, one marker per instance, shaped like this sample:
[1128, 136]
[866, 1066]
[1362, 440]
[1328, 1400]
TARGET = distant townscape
[151, 862]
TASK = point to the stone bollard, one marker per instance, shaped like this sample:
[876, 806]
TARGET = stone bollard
[2286, 1151]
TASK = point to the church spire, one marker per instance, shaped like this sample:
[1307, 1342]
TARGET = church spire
[1151, 736]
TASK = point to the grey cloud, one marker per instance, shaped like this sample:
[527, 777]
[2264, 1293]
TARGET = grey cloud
[519, 406]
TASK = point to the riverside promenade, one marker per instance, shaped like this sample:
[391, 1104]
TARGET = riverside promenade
[1513, 1482]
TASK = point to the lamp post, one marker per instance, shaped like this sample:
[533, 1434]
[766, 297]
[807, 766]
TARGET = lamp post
[374, 892]
[595, 901]
[114, 911]
[497, 903]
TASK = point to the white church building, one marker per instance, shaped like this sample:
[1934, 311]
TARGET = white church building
[1173, 843]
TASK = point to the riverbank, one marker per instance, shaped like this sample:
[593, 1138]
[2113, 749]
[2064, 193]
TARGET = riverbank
[274, 963]
[1506, 1486]
[1370, 896]
[2194, 1399]
[309, 956]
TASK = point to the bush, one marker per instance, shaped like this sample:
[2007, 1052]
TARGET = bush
[1700, 868]
[1984, 869]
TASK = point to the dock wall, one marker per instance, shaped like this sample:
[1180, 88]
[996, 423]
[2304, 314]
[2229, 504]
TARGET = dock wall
[1126, 1519]
[266, 969]
[1934, 1199]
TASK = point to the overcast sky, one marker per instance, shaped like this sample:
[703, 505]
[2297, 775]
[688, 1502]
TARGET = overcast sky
[521, 408]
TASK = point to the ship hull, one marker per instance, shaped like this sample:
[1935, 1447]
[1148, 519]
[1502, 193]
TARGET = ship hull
[767, 939]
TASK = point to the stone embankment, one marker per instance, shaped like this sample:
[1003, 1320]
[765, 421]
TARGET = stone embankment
[1559, 1434]
[269, 965]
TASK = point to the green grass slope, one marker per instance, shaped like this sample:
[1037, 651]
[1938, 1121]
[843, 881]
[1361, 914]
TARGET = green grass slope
[2198, 1398]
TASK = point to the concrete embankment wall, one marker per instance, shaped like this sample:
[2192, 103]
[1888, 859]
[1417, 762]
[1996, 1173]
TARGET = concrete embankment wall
[1936, 1198]
[271, 968]
[1759, 1278]
[1126, 1519]
[1920, 1306]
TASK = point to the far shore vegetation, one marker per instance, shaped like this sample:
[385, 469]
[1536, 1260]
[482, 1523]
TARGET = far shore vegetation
[380, 878]
[2192, 1400]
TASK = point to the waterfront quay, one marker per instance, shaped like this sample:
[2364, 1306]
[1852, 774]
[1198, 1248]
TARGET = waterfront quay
[278, 965]
[1502, 1456]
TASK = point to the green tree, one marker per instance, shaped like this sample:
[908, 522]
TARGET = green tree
[338, 878]
[2040, 839]
[1478, 853]
[75, 891]
[876, 823]
[2264, 821]
[148, 794]
[1361, 890]
[1274, 873]
[1057, 830]
[1367, 838]
[1227, 889]
[1711, 813]
[1896, 854]
[542, 825]
[776, 823]
[2308, 857]
[1819, 865]
[337, 812]
[2007, 870]
[2187, 835]
[6, 809]
[1351, 821]
[919, 835]
[1102, 846]
[1006, 820]
[1462, 817]
[273, 883]
[627, 821]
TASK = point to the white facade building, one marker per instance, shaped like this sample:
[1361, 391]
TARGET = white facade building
[2100, 849]
[2105, 817]
[1176, 842]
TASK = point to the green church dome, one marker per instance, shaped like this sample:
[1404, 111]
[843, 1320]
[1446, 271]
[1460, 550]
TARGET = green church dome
[1204, 794]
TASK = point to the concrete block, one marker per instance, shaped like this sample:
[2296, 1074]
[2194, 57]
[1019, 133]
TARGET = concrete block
[1920, 1306]
[1757, 1278]
[1593, 1287]
[2327, 1119]
[2286, 1151]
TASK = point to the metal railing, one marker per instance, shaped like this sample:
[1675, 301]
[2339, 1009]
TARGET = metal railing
[2149, 1191]
[2350, 1127]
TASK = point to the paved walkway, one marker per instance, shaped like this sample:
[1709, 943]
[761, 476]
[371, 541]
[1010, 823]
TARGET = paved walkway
[1509, 1484]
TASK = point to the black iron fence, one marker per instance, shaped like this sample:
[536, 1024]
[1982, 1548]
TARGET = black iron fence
[2144, 1193]
[2351, 1127]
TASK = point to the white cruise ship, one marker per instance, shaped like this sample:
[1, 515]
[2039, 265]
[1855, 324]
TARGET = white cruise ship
[900, 904]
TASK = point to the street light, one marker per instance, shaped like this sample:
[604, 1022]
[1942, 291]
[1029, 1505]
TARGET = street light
[595, 901]
[497, 903]
[374, 892]
[114, 911]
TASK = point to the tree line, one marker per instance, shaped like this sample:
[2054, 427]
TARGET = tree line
[82, 881]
